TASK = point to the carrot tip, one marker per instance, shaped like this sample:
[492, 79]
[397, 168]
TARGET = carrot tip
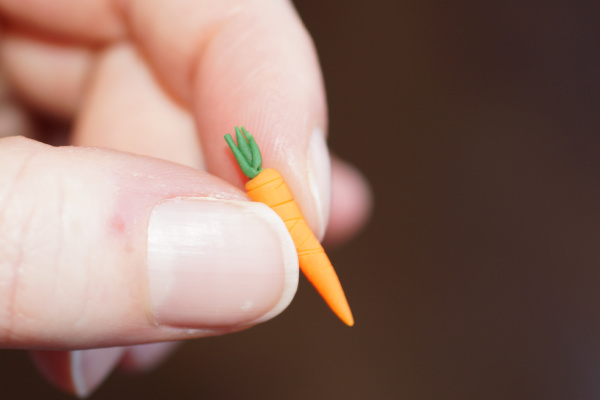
[349, 320]
[344, 314]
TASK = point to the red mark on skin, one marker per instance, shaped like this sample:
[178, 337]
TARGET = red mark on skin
[117, 224]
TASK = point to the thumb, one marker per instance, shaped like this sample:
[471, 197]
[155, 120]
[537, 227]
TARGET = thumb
[100, 248]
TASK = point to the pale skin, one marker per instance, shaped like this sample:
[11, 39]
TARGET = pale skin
[148, 78]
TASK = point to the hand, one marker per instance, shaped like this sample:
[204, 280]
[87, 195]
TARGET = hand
[105, 248]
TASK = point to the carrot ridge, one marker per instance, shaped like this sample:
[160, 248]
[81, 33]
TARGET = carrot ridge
[308, 252]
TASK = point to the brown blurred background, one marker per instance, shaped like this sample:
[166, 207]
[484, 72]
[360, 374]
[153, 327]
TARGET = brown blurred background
[478, 278]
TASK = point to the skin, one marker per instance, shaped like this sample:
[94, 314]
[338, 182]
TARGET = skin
[164, 80]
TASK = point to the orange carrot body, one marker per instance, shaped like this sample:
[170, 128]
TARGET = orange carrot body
[268, 187]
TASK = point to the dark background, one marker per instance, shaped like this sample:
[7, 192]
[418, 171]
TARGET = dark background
[479, 275]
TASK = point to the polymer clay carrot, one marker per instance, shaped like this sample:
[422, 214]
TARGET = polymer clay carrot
[267, 186]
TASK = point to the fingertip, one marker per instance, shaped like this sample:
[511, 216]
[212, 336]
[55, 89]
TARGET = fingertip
[90, 368]
[352, 202]
[261, 71]
[145, 357]
[78, 372]
[180, 253]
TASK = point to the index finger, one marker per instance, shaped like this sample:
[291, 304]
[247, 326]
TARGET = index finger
[248, 63]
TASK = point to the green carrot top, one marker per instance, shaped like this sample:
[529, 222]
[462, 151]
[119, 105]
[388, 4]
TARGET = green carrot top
[246, 152]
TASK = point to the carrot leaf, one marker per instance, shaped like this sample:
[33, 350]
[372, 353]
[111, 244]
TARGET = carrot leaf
[243, 144]
[256, 157]
[246, 152]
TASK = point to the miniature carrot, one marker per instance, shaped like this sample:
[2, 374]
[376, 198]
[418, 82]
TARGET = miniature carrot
[267, 186]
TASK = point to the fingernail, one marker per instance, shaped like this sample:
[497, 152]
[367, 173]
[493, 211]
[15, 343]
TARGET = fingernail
[145, 357]
[319, 178]
[89, 368]
[218, 264]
